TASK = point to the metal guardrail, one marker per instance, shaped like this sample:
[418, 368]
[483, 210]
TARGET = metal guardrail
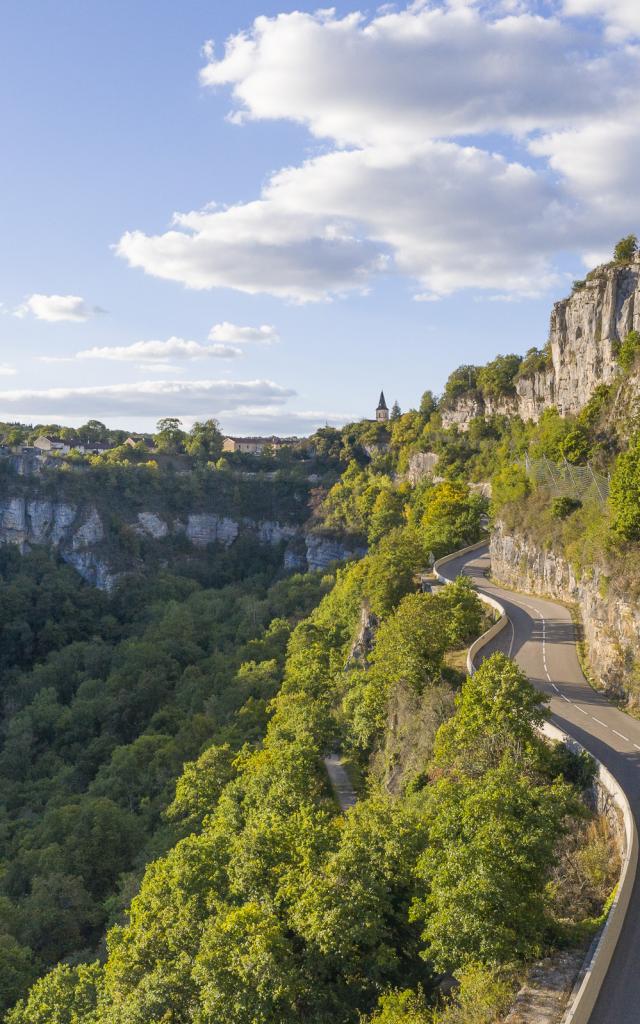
[600, 955]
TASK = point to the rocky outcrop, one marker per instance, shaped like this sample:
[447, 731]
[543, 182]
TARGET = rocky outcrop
[150, 524]
[323, 551]
[611, 621]
[365, 638]
[584, 334]
[79, 534]
[421, 465]
[204, 528]
[76, 532]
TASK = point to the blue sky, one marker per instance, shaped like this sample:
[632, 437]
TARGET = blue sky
[457, 152]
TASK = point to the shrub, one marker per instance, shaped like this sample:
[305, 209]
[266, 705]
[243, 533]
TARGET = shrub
[563, 507]
[624, 496]
[626, 249]
[628, 351]
[496, 379]
[536, 360]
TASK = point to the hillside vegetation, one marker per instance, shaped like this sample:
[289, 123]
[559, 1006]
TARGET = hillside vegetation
[183, 726]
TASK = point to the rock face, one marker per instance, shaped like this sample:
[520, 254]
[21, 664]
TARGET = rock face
[151, 525]
[76, 532]
[421, 465]
[323, 551]
[206, 528]
[584, 334]
[80, 536]
[611, 621]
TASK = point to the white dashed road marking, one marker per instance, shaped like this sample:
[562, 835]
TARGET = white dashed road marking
[621, 735]
[599, 722]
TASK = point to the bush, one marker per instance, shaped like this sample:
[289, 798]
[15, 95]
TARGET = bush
[496, 379]
[626, 249]
[536, 360]
[561, 508]
[624, 496]
[628, 351]
[510, 484]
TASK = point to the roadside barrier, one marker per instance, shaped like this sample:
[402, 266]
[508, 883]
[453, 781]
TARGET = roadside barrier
[598, 959]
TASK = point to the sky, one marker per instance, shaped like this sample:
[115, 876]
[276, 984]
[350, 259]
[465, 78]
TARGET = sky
[266, 212]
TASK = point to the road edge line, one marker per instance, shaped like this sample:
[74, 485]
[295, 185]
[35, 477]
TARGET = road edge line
[600, 955]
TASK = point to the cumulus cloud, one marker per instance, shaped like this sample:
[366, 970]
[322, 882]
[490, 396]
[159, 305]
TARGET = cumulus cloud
[226, 332]
[416, 105]
[435, 188]
[622, 17]
[159, 351]
[54, 308]
[256, 247]
[426, 71]
[7, 371]
[146, 398]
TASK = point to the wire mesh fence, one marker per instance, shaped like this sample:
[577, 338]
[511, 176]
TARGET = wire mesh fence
[566, 481]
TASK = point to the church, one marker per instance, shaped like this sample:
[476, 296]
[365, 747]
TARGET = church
[382, 412]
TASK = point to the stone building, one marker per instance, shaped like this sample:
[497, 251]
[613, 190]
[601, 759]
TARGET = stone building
[382, 412]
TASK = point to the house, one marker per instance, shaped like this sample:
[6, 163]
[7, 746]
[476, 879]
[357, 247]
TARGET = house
[44, 443]
[133, 442]
[257, 445]
[245, 445]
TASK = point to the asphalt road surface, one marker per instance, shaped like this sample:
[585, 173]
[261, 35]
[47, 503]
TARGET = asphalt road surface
[541, 638]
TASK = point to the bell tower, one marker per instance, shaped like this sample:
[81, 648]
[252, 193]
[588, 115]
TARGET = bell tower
[382, 412]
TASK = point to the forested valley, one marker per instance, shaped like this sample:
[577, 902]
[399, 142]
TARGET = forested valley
[171, 846]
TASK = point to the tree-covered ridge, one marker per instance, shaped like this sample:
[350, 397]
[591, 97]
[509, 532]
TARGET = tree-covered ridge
[273, 907]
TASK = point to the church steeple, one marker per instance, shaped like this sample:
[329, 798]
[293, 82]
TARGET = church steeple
[382, 412]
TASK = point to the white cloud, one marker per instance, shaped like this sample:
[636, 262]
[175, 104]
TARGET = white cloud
[434, 189]
[7, 371]
[255, 247]
[160, 351]
[600, 162]
[622, 17]
[425, 71]
[57, 307]
[226, 332]
[146, 398]
[402, 191]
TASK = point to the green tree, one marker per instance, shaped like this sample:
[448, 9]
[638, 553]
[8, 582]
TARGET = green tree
[396, 411]
[491, 845]
[17, 970]
[204, 441]
[170, 436]
[575, 446]
[199, 787]
[626, 249]
[510, 483]
[624, 494]
[498, 712]
[258, 983]
[462, 381]
[386, 514]
[67, 995]
[496, 379]
[428, 405]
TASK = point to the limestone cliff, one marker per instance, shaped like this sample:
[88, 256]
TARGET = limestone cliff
[611, 619]
[584, 334]
[81, 535]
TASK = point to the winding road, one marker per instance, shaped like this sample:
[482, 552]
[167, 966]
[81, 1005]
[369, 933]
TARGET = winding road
[540, 636]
